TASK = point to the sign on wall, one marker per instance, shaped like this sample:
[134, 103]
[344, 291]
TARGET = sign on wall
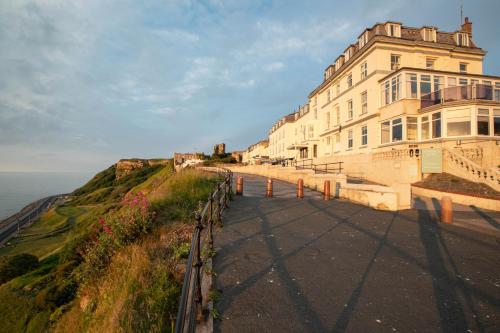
[432, 160]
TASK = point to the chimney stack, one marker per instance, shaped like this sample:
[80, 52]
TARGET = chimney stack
[467, 26]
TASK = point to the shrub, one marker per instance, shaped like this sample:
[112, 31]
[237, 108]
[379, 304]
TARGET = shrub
[20, 264]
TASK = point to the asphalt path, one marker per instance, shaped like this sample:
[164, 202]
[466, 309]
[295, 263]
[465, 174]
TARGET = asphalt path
[306, 265]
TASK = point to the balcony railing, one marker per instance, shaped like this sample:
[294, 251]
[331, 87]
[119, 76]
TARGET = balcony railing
[459, 93]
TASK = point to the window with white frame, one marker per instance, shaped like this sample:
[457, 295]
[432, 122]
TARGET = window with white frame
[429, 63]
[436, 125]
[349, 80]
[412, 86]
[462, 39]
[364, 102]
[463, 67]
[385, 132]
[386, 93]
[364, 70]
[411, 128]
[396, 88]
[483, 122]
[349, 139]
[425, 130]
[395, 62]
[397, 129]
[497, 92]
[364, 135]
[458, 122]
[350, 111]
[429, 34]
[496, 122]
[425, 85]
[393, 30]
[363, 39]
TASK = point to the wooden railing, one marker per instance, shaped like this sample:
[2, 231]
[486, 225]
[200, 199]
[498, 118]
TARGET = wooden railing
[191, 301]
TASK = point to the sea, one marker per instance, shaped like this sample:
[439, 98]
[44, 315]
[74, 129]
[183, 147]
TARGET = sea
[18, 189]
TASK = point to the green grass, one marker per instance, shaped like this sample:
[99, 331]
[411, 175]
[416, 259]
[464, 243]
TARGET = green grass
[141, 286]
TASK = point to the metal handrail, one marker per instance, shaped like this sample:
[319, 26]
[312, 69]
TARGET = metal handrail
[332, 167]
[191, 300]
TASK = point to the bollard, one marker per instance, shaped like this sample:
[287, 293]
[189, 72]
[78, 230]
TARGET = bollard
[239, 186]
[446, 210]
[326, 190]
[269, 191]
[300, 188]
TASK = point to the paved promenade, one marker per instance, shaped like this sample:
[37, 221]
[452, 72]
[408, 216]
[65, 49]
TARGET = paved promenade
[306, 265]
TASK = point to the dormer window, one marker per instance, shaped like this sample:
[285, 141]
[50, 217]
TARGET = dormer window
[339, 62]
[462, 39]
[348, 53]
[393, 29]
[429, 34]
[363, 40]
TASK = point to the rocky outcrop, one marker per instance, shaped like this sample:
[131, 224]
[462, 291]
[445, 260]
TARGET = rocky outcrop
[126, 166]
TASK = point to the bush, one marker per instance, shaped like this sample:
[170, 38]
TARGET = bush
[20, 264]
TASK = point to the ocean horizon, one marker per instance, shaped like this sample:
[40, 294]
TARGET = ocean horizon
[18, 189]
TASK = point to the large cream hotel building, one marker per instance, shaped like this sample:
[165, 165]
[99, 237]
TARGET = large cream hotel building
[394, 92]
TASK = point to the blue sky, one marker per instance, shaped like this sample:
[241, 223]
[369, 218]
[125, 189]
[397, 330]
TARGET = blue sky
[85, 83]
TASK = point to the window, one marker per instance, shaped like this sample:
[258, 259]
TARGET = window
[386, 93]
[349, 81]
[311, 131]
[429, 35]
[328, 120]
[364, 70]
[458, 122]
[438, 85]
[364, 102]
[337, 142]
[397, 130]
[496, 122]
[338, 89]
[463, 82]
[363, 40]
[395, 62]
[463, 67]
[429, 63]
[350, 111]
[425, 85]
[396, 88]
[328, 140]
[436, 125]
[483, 122]
[364, 135]
[337, 112]
[413, 86]
[452, 82]
[315, 150]
[462, 39]
[315, 100]
[424, 128]
[385, 132]
[349, 139]
[393, 30]
[497, 91]
[328, 97]
[315, 113]
[411, 128]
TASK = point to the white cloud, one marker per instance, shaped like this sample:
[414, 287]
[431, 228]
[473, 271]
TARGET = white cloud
[274, 66]
[176, 35]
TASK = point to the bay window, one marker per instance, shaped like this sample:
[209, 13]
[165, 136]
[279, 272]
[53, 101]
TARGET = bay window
[497, 91]
[397, 130]
[425, 129]
[458, 122]
[425, 85]
[413, 86]
[483, 122]
[411, 128]
[385, 132]
[396, 88]
[496, 122]
[436, 125]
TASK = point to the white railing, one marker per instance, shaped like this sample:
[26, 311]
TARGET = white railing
[471, 170]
